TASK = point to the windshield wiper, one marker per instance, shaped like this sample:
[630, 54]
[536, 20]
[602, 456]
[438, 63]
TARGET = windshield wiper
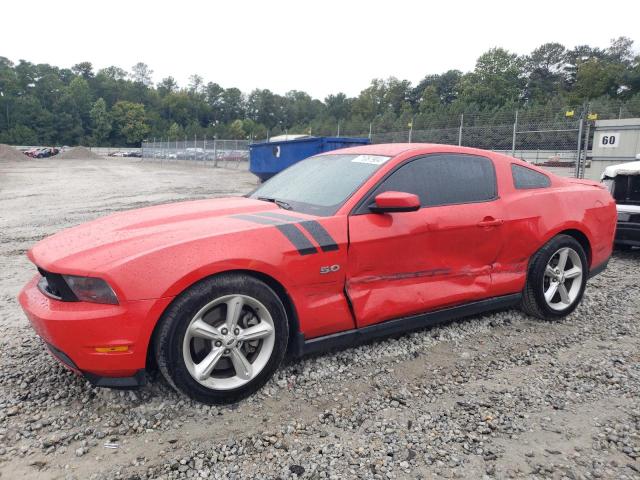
[279, 203]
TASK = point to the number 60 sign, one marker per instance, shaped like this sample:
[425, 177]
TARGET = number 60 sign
[609, 139]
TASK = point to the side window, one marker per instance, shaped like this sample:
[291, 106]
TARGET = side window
[525, 178]
[444, 179]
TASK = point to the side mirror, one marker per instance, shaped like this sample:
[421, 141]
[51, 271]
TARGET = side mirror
[388, 202]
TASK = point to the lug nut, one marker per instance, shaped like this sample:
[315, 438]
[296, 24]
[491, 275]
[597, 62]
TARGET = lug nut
[226, 351]
[224, 331]
[236, 331]
[218, 343]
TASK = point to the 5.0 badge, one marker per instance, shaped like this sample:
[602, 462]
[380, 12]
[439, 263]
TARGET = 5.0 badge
[329, 269]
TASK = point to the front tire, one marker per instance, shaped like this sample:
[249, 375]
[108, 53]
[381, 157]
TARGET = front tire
[222, 339]
[556, 279]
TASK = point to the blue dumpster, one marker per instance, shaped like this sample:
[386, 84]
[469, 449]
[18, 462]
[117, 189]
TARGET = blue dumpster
[268, 158]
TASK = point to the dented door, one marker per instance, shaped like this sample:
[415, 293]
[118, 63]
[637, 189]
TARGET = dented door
[406, 263]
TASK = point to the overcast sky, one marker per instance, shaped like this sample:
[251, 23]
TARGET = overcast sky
[320, 47]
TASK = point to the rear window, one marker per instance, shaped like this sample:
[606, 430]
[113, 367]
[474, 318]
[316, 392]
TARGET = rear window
[524, 178]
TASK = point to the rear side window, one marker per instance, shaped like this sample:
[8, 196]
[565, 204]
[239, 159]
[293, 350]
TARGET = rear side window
[524, 178]
[444, 179]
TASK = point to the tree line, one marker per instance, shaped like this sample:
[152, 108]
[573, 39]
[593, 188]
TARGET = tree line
[41, 104]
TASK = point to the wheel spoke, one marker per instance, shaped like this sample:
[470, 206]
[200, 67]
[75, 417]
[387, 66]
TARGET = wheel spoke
[549, 272]
[573, 272]
[551, 291]
[206, 366]
[564, 295]
[562, 259]
[202, 329]
[234, 309]
[242, 366]
[261, 330]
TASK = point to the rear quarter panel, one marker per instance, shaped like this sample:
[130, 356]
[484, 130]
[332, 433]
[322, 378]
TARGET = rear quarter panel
[534, 216]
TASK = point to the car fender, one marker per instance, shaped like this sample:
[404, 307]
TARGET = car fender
[574, 226]
[228, 265]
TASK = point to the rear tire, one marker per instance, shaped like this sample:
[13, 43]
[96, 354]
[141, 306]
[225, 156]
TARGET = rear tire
[222, 339]
[556, 279]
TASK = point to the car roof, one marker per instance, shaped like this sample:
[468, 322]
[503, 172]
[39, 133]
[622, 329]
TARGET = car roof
[408, 149]
[395, 149]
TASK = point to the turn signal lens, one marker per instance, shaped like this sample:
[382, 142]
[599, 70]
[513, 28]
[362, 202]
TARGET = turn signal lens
[115, 348]
[91, 289]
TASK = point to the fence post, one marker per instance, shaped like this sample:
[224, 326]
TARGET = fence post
[204, 149]
[578, 148]
[585, 150]
[460, 131]
[215, 152]
[513, 141]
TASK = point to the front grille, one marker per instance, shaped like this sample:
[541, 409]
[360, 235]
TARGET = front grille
[53, 285]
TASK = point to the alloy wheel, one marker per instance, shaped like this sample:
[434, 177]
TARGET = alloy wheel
[228, 342]
[562, 279]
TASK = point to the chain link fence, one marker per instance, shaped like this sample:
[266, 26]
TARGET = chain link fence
[211, 152]
[558, 145]
[558, 142]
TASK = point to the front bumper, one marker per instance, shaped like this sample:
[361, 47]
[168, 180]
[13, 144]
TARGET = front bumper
[628, 233]
[134, 381]
[74, 330]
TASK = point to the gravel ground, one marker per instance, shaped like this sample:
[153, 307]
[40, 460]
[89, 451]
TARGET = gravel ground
[494, 396]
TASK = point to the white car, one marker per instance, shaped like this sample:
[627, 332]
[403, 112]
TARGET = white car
[623, 181]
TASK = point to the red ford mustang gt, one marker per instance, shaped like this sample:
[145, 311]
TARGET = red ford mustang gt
[337, 249]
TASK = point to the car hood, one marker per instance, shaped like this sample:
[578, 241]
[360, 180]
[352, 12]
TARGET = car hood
[124, 235]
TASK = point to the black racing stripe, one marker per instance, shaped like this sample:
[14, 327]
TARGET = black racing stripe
[293, 234]
[256, 219]
[320, 235]
[297, 238]
[315, 229]
[280, 216]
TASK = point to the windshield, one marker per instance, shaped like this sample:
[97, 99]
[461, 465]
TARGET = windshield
[319, 185]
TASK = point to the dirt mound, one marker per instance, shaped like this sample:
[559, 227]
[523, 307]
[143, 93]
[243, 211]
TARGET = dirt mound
[78, 153]
[9, 153]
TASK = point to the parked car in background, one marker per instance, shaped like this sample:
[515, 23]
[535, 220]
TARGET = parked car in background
[41, 152]
[623, 181]
[338, 249]
[123, 154]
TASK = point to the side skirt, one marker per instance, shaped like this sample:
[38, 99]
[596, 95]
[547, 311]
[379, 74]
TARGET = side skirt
[350, 338]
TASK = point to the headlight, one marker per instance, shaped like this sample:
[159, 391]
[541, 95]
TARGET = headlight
[91, 289]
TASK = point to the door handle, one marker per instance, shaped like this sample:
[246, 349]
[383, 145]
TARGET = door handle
[490, 222]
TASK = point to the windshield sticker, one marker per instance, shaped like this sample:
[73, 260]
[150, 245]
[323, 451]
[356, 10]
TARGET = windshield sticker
[372, 159]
